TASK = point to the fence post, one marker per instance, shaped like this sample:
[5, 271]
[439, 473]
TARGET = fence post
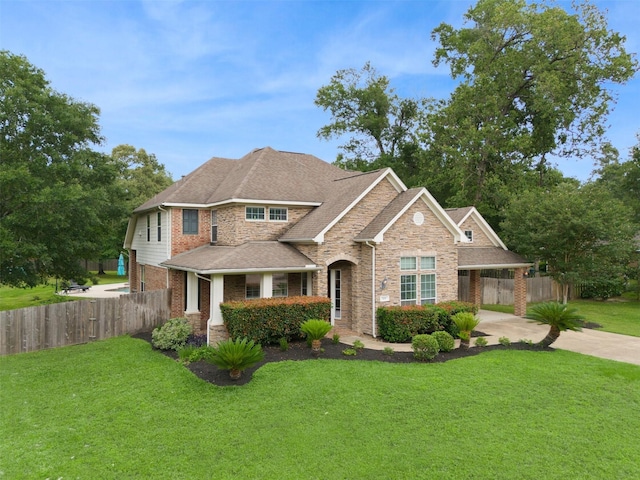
[92, 319]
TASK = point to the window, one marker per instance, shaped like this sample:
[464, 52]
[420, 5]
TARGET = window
[190, 222]
[280, 287]
[254, 213]
[427, 263]
[159, 226]
[428, 288]
[278, 214]
[142, 278]
[408, 263]
[148, 228]
[252, 286]
[469, 234]
[214, 226]
[407, 289]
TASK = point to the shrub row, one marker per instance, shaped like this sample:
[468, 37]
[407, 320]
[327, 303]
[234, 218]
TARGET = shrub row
[267, 320]
[400, 324]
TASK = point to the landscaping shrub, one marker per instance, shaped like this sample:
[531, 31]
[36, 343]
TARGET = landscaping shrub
[504, 341]
[603, 289]
[267, 320]
[315, 330]
[466, 322]
[172, 335]
[236, 355]
[481, 342]
[388, 351]
[189, 354]
[425, 347]
[452, 308]
[445, 340]
[400, 324]
[350, 352]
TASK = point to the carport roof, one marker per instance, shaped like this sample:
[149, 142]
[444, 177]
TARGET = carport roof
[479, 258]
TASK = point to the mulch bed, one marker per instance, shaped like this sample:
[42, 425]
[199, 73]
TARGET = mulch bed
[298, 350]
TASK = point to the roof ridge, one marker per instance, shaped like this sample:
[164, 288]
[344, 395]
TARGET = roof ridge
[360, 174]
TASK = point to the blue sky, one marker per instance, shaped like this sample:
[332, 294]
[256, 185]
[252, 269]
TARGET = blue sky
[191, 80]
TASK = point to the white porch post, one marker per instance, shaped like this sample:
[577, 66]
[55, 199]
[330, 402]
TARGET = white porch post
[266, 286]
[192, 293]
[217, 297]
[309, 284]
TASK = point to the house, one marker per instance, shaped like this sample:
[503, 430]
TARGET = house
[277, 224]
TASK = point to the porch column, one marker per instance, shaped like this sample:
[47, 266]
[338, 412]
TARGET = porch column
[192, 293]
[520, 292]
[475, 288]
[216, 329]
[309, 283]
[266, 286]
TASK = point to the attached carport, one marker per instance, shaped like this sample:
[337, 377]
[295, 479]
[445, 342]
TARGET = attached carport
[476, 259]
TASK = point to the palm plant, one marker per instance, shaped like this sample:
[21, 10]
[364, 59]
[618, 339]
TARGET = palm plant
[236, 356]
[466, 322]
[315, 331]
[558, 316]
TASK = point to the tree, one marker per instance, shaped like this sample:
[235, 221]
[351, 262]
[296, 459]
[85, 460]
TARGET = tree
[52, 185]
[582, 232]
[363, 104]
[534, 83]
[139, 177]
[558, 316]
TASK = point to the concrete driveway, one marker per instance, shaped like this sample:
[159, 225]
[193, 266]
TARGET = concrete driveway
[612, 346]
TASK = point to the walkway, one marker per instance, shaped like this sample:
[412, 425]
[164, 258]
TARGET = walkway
[612, 346]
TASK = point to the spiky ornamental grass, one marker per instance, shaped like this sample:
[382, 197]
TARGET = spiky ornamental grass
[466, 322]
[315, 331]
[558, 316]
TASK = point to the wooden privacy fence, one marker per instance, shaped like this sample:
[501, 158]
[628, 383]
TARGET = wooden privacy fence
[500, 290]
[71, 323]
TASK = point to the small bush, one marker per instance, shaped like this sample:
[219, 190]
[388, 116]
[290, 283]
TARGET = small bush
[350, 352]
[388, 351]
[504, 341]
[425, 347]
[335, 339]
[189, 354]
[284, 345]
[358, 345]
[526, 341]
[172, 335]
[445, 341]
[315, 330]
[603, 289]
[481, 342]
[236, 355]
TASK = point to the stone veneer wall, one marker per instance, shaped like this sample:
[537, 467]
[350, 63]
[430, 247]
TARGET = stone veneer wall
[234, 229]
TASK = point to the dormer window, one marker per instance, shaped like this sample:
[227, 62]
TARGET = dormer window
[469, 235]
[254, 213]
[277, 214]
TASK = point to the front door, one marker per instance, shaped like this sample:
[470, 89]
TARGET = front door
[335, 293]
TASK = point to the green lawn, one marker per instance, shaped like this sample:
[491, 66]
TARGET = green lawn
[614, 316]
[116, 409]
[11, 298]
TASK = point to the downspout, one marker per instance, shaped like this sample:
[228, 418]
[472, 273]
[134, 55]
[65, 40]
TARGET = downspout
[208, 319]
[373, 287]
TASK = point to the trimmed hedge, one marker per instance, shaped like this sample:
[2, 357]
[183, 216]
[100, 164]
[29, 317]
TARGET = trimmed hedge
[267, 320]
[400, 324]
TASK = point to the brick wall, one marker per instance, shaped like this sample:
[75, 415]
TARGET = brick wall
[134, 268]
[519, 292]
[181, 242]
[177, 281]
[155, 278]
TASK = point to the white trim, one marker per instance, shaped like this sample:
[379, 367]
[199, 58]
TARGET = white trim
[332, 293]
[244, 271]
[484, 226]
[494, 266]
[235, 200]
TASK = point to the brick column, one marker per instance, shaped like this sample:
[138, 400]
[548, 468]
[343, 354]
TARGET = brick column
[475, 290]
[520, 292]
[133, 271]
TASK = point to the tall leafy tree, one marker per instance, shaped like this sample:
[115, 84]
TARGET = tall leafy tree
[383, 125]
[139, 177]
[534, 83]
[582, 232]
[52, 195]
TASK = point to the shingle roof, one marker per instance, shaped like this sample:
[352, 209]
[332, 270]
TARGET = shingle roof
[457, 214]
[250, 256]
[475, 258]
[264, 174]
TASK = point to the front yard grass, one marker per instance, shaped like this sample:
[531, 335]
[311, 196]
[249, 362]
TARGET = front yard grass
[117, 409]
[615, 316]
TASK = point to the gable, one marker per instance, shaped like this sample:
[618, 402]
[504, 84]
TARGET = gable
[468, 218]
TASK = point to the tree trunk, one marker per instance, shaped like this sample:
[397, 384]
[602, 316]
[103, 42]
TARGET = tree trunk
[101, 268]
[235, 374]
[552, 336]
[315, 345]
